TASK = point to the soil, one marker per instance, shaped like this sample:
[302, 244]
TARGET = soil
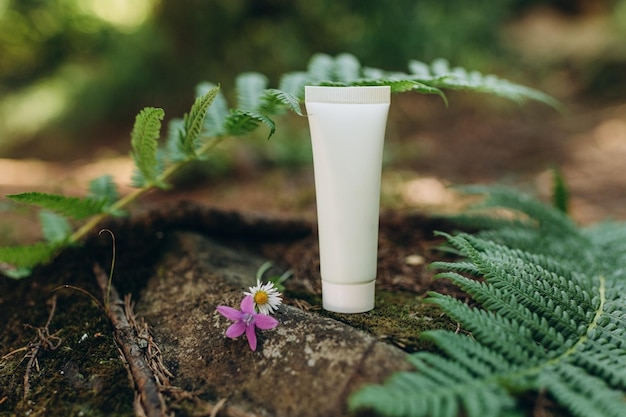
[68, 362]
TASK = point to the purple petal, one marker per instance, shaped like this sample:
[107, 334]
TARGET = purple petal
[236, 329]
[247, 304]
[265, 322]
[230, 313]
[251, 336]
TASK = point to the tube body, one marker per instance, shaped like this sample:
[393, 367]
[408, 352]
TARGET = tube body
[347, 127]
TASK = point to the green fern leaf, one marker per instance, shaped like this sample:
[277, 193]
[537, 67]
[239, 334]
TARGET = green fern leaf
[193, 123]
[347, 68]
[440, 75]
[175, 136]
[402, 86]
[216, 113]
[144, 142]
[241, 122]
[55, 228]
[548, 220]
[73, 207]
[551, 320]
[104, 190]
[293, 83]
[560, 194]
[250, 87]
[276, 102]
[27, 256]
[321, 68]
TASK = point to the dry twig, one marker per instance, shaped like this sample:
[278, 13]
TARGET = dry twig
[44, 340]
[150, 398]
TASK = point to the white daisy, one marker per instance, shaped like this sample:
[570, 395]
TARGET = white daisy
[266, 297]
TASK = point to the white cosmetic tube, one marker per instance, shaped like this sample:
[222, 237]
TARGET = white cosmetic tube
[347, 127]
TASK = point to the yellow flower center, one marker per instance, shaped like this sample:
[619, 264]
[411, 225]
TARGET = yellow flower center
[260, 298]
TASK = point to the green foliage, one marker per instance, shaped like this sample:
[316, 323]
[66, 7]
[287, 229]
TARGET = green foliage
[73, 207]
[256, 104]
[216, 114]
[210, 120]
[242, 122]
[194, 121]
[27, 256]
[55, 228]
[144, 142]
[549, 317]
[560, 193]
[186, 135]
[104, 191]
[346, 70]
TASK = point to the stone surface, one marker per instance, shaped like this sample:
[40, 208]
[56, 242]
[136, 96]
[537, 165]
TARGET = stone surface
[307, 366]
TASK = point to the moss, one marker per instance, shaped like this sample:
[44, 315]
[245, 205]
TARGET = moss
[84, 375]
[400, 318]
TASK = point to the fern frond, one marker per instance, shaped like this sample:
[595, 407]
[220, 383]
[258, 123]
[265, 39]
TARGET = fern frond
[508, 337]
[73, 207]
[346, 70]
[175, 136]
[585, 395]
[193, 122]
[549, 219]
[216, 113]
[439, 74]
[293, 83]
[55, 228]
[443, 390]
[27, 256]
[241, 122]
[144, 143]
[560, 193]
[104, 190]
[249, 87]
[321, 67]
[275, 101]
[552, 320]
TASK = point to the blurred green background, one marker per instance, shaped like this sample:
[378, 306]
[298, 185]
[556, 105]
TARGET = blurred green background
[73, 73]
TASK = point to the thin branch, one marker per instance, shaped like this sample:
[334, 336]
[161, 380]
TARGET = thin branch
[145, 383]
[44, 340]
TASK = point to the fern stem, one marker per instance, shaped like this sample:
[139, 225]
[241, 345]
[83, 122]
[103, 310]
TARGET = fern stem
[132, 196]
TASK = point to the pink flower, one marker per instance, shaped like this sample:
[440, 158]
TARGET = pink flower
[246, 321]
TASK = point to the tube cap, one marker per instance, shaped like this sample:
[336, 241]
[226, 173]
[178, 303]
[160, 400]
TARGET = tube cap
[348, 298]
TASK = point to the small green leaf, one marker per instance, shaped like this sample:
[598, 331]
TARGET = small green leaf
[250, 87]
[321, 68]
[144, 142]
[560, 193]
[73, 207]
[216, 113]
[241, 122]
[55, 228]
[347, 68]
[274, 102]
[27, 256]
[293, 83]
[104, 190]
[175, 136]
[16, 273]
[194, 121]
